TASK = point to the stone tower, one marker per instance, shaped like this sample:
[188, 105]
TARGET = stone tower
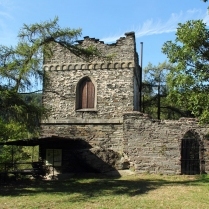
[87, 99]
[115, 90]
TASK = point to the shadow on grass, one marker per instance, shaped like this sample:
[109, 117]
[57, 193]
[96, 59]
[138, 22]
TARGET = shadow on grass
[96, 186]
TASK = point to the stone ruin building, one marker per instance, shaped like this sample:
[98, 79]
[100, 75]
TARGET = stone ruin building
[95, 122]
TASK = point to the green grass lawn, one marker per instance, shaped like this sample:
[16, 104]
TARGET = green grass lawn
[128, 192]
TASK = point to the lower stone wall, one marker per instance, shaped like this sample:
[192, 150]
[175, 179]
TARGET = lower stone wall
[138, 142]
[154, 146]
[77, 159]
[106, 136]
[105, 151]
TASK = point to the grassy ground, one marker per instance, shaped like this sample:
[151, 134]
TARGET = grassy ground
[129, 192]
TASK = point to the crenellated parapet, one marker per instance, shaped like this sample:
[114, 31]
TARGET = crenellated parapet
[97, 41]
[122, 50]
[89, 66]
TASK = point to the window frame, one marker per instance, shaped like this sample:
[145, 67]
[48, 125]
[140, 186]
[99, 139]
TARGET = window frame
[78, 106]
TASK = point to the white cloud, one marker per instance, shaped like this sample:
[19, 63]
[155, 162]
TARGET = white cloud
[6, 8]
[6, 4]
[6, 35]
[152, 27]
[5, 15]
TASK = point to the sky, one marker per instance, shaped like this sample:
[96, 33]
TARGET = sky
[153, 21]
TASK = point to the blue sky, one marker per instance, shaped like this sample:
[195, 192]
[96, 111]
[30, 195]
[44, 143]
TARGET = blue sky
[153, 21]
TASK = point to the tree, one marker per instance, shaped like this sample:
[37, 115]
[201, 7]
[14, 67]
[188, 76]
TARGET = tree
[154, 85]
[155, 93]
[189, 80]
[21, 65]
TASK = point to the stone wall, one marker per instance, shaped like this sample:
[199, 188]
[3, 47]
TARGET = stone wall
[78, 157]
[113, 127]
[116, 84]
[154, 146]
[124, 49]
[113, 86]
[116, 81]
[106, 136]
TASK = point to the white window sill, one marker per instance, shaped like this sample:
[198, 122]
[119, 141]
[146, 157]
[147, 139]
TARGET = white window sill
[87, 110]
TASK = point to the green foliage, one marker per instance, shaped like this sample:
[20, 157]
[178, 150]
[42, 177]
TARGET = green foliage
[155, 93]
[13, 108]
[21, 70]
[14, 130]
[189, 81]
[21, 66]
[18, 65]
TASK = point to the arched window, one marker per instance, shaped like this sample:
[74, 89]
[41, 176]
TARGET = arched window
[85, 94]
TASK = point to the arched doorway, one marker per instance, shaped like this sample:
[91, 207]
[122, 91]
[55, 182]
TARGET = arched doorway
[190, 154]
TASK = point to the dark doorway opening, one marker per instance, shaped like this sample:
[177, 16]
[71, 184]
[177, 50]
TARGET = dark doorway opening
[190, 155]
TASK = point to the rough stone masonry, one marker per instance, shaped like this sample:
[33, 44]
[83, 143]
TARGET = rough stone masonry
[114, 125]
